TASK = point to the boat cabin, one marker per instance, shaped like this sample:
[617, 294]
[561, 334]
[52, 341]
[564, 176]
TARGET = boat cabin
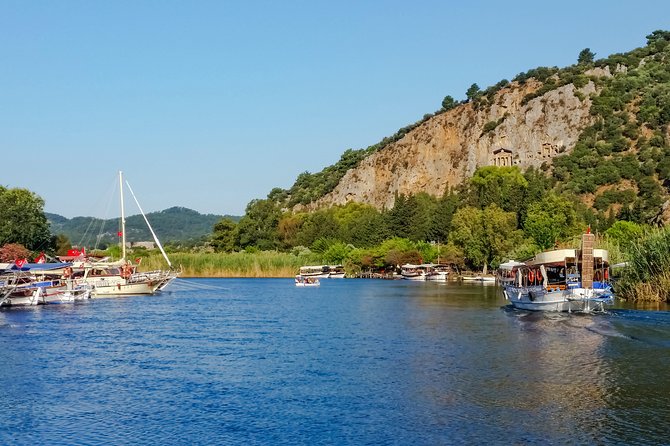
[564, 269]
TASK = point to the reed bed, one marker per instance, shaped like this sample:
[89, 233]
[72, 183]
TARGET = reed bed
[647, 277]
[238, 264]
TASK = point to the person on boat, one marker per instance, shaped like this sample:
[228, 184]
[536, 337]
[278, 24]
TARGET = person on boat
[125, 271]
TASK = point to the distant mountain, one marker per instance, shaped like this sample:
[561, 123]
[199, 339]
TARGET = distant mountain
[176, 225]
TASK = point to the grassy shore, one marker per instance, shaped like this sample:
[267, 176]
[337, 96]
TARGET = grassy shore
[647, 277]
[238, 264]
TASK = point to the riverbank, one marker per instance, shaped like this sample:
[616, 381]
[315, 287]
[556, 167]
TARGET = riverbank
[263, 264]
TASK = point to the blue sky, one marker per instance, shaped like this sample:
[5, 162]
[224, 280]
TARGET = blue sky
[210, 104]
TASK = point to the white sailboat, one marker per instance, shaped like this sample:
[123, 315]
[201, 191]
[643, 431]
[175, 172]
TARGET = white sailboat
[109, 279]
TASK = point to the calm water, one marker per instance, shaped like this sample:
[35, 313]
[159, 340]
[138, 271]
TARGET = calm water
[352, 362]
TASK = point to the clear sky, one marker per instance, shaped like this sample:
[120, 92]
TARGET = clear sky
[210, 104]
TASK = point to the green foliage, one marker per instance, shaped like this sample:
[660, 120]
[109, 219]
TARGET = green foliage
[485, 236]
[503, 186]
[621, 163]
[550, 220]
[625, 233]
[490, 126]
[647, 276]
[259, 225]
[396, 251]
[63, 245]
[173, 225]
[337, 253]
[309, 187]
[360, 225]
[22, 220]
[659, 36]
[448, 103]
[225, 235]
[443, 213]
[473, 92]
[604, 200]
[317, 225]
[586, 56]
[540, 73]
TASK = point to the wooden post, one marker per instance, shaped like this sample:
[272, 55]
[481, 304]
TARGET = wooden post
[588, 241]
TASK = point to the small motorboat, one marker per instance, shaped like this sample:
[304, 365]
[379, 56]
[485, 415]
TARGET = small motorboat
[306, 281]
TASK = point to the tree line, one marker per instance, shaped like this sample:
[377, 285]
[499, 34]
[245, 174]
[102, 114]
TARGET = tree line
[497, 214]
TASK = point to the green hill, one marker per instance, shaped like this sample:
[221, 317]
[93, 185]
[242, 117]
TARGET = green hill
[173, 225]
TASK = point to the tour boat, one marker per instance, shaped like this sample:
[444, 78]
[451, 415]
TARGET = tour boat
[413, 272]
[302, 281]
[315, 271]
[572, 280]
[336, 272]
[41, 286]
[438, 273]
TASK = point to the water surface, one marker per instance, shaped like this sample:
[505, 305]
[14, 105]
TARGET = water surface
[259, 361]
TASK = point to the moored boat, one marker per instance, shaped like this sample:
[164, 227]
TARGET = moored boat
[438, 273]
[336, 272]
[566, 280]
[410, 271]
[108, 279]
[315, 271]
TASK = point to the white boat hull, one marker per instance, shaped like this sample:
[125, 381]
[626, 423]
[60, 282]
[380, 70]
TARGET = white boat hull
[536, 298]
[109, 286]
[306, 282]
[437, 276]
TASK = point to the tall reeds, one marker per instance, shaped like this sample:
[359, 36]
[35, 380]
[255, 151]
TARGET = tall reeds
[647, 276]
[238, 264]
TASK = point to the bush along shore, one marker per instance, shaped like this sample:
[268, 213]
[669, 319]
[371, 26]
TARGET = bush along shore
[647, 274]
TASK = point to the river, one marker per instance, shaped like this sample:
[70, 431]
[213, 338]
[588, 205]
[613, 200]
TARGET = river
[259, 361]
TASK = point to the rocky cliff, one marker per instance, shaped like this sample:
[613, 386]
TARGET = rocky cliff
[447, 148]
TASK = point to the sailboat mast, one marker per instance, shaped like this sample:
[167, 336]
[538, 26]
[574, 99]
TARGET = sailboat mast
[123, 219]
[158, 242]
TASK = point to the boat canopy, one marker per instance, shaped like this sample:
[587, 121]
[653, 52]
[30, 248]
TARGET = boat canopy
[36, 266]
[510, 264]
[558, 256]
[423, 265]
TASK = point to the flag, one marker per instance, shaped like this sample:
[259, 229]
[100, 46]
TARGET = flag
[138, 260]
[119, 233]
[40, 258]
[21, 262]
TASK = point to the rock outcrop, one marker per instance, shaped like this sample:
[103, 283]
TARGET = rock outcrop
[447, 149]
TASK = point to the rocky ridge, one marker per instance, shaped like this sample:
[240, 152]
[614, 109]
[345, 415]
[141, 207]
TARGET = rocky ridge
[449, 147]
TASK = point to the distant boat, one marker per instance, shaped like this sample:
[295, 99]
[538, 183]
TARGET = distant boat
[336, 272]
[315, 271]
[410, 271]
[563, 280]
[480, 278]
[301, 281]
[438, 273]
[39, 284]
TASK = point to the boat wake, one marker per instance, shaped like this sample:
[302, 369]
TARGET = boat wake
[188, 285]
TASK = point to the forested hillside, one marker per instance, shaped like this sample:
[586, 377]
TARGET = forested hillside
[176, 225]
[609, 169]
[613, 157]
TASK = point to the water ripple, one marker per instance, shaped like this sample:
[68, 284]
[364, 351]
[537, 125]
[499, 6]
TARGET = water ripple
[353, 362]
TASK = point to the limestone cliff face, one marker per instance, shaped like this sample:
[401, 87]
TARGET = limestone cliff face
[446, 149]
